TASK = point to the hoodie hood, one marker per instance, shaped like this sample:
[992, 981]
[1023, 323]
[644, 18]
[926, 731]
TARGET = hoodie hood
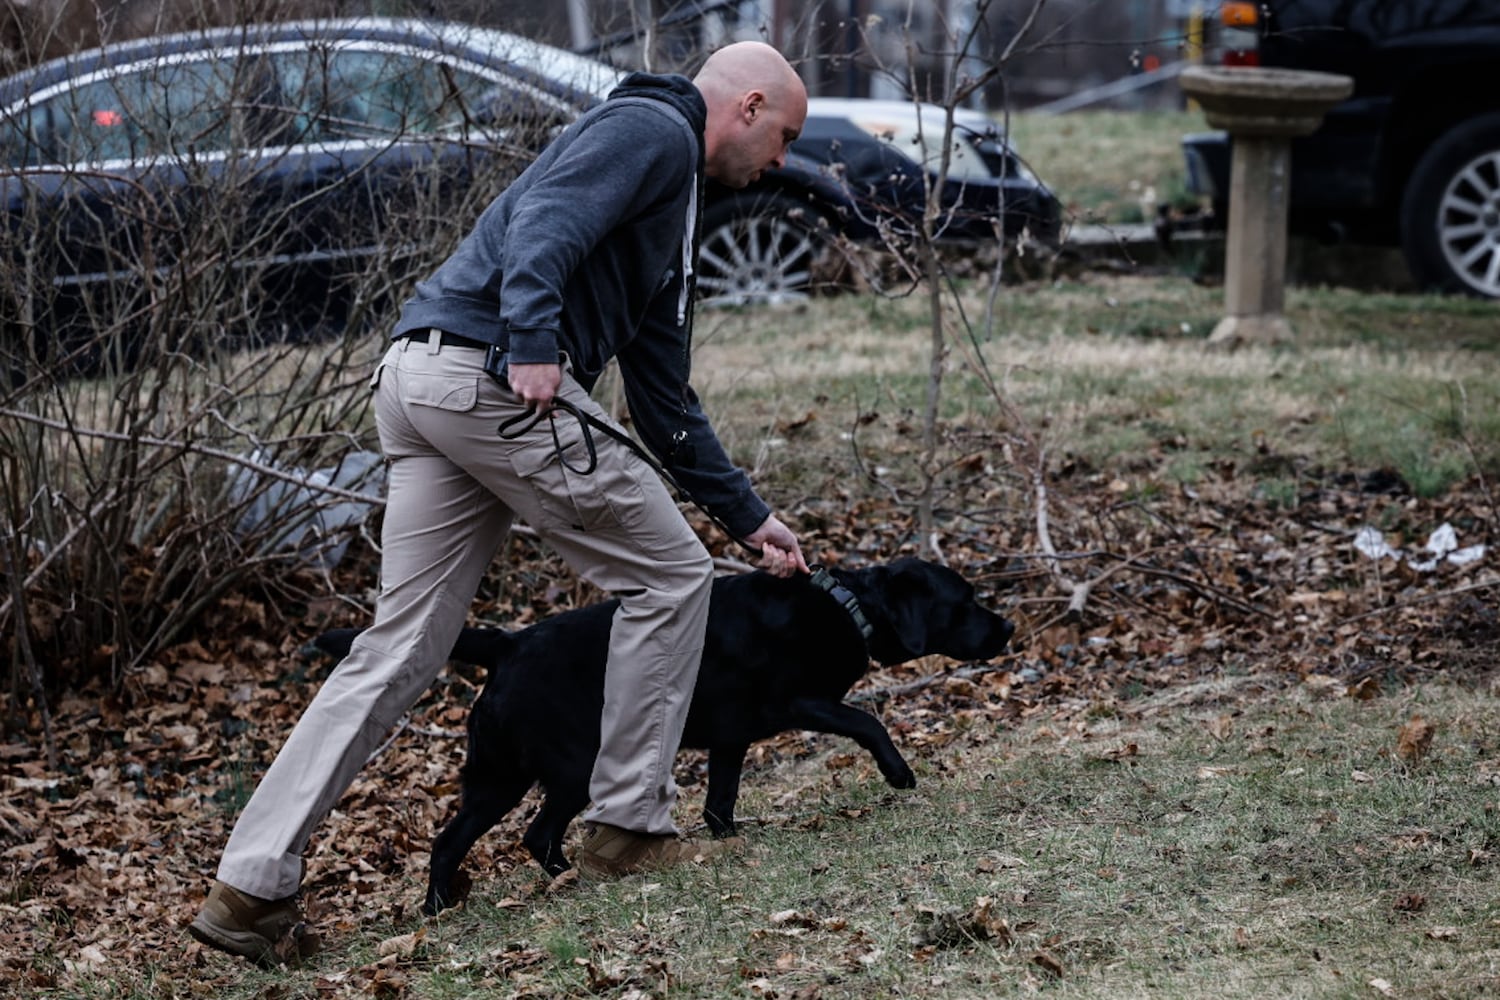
[673, 89]
[679, 93]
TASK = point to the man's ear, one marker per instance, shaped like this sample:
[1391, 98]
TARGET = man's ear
[753, 104]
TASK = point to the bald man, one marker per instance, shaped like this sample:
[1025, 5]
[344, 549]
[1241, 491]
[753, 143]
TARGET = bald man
[589, 255]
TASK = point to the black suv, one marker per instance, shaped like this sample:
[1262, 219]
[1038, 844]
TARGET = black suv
[1413, 157]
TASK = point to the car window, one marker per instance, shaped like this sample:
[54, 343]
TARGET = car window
[199, 106]
[88, 122]
[364, 93]
[18, 138]
[28, 137]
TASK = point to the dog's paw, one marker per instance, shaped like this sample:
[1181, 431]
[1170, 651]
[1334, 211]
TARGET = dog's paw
[903, 778]
[457, 892]
[719, 828]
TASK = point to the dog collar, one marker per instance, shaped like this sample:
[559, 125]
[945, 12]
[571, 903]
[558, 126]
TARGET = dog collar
[823, 580]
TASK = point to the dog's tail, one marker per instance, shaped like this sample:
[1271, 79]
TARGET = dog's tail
[483, 646]
[336, 642]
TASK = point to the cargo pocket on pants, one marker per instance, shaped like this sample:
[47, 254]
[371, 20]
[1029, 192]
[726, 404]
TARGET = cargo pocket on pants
[609, 497]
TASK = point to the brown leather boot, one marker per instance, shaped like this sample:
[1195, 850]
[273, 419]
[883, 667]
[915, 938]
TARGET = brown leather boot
[610, 851]
[266, 931]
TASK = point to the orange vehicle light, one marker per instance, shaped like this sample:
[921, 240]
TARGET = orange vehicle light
[1239, 15]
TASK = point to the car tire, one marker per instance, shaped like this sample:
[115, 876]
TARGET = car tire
[761, 247]
[1450, 214]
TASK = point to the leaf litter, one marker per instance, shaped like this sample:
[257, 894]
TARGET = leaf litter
[104, 858]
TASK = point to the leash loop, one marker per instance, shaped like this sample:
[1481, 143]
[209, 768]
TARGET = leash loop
[522, 424]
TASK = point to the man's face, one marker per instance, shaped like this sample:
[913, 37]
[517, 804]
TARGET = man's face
[767, 128]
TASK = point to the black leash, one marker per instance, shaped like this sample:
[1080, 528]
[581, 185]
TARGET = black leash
[522, 424]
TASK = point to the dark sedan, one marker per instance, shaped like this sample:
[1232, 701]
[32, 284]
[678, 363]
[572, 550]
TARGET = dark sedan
[253, 182]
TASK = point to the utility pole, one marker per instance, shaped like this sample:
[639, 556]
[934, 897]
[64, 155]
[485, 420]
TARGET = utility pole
[851, 71]
[578, 23]
[959, 23]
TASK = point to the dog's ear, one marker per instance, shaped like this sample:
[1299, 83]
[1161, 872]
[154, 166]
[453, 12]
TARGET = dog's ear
[907, 593]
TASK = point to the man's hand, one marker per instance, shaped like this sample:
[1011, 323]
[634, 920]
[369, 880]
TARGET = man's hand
[780, 555]
[535, 384]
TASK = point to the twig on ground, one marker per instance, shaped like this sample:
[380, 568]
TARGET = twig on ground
[446, 734]
[1423, 599]
[400, 728]
[895, 690]
[1076, 591]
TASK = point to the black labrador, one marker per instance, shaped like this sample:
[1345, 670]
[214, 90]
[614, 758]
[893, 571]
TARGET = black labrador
[779, 655]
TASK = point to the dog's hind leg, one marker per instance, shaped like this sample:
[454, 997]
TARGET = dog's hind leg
[484, 803]
[835, 717]
[544, 837]
[724, 766]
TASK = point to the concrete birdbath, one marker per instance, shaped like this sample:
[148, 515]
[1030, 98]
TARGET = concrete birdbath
[1262, 109]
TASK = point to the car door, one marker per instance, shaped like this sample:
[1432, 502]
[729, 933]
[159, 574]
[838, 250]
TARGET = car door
[132, 193]
[398, 151]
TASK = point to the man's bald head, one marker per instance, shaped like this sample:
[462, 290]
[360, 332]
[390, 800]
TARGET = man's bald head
[744, 66]
[756, 107]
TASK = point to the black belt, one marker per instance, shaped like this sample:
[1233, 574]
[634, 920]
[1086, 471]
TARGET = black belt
[445, 338]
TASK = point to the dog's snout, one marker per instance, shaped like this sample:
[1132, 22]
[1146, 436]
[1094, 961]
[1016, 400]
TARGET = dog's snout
[980, 634]
[1001, 630]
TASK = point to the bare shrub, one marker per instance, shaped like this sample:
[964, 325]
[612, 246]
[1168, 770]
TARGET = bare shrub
[203, 259]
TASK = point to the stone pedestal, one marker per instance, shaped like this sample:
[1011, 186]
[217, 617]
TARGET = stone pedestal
[1262, 109]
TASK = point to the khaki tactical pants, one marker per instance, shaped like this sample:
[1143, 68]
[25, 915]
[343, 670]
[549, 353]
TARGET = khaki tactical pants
[453, 489]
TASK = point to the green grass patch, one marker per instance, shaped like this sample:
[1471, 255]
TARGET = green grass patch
[1116, 372]
[1210, 843]
[1109, 166]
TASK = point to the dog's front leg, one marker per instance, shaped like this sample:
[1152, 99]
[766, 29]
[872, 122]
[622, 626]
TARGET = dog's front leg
[544, 837]
[823, 716]
[724, 766]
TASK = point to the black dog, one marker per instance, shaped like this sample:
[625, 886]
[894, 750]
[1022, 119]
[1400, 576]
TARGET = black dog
[779, 655]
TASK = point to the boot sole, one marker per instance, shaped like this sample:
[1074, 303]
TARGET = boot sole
[245, 944]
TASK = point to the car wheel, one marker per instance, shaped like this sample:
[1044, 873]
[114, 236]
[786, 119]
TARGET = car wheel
[760, 248]
[1450, 215]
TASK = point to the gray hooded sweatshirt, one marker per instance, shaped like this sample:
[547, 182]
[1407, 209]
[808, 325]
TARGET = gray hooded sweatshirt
[592, 251]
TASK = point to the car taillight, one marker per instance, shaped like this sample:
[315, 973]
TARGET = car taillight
[1240, 37]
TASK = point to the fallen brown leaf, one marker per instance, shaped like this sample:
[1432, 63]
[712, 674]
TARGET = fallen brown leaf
[1415, 739]
[1048, 964]
[1411, 902]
